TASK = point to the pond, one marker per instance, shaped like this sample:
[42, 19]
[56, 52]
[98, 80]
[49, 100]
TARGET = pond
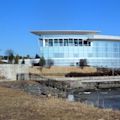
[108, 98]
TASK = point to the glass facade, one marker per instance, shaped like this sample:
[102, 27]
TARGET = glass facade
[67, 50]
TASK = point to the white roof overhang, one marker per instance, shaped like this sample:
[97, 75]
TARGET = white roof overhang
[65, 32]
[104, 37]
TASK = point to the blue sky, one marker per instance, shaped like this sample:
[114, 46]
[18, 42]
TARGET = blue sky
[19, 17]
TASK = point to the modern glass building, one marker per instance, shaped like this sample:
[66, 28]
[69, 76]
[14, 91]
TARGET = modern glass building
[66, 48]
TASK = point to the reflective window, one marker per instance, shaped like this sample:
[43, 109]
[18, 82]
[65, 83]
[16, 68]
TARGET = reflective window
[85, 43]
[101, 53]
[50, 42]
[58, 55]
[70, 42]
[65, 42]
[89, 43]
[61, 42]
[75, 42]
[46, 42]
[76, 54]
[56, 42]
[41, 42]
[80, 42]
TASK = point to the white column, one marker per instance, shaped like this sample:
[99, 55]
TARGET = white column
[43, 42]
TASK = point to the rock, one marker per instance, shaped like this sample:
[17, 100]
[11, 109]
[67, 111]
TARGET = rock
[48, 95]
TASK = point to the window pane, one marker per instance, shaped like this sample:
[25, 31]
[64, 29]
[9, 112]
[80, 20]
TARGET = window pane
[80, 42]
[50, 42]
[56, 42]
[61, 42]
[65, 42]
[70, 42]
[75, 42]
[46, 42]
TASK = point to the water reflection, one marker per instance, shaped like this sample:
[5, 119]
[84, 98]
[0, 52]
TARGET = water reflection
[109, 98]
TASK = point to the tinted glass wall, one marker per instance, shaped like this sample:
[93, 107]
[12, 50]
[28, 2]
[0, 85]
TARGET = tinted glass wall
[69, 51]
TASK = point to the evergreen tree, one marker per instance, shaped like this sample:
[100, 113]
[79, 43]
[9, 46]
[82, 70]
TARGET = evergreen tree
[37, 56]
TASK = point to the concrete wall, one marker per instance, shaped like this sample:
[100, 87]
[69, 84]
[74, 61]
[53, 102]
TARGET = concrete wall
[92, 82]
[10, 71]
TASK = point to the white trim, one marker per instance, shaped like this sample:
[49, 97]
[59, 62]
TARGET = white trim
[104, 37]
[64, 32]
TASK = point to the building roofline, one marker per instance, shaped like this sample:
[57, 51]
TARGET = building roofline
[65, 32]
[105, 37]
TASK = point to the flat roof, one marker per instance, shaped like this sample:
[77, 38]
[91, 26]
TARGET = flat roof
[64, 32]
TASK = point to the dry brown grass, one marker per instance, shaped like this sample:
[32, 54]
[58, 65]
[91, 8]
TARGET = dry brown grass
[60, 71]
[17, 105]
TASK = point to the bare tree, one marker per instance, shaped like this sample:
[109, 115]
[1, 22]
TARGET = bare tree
[83, 63]
[27, 56]
[16, 59]
[50, 62]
